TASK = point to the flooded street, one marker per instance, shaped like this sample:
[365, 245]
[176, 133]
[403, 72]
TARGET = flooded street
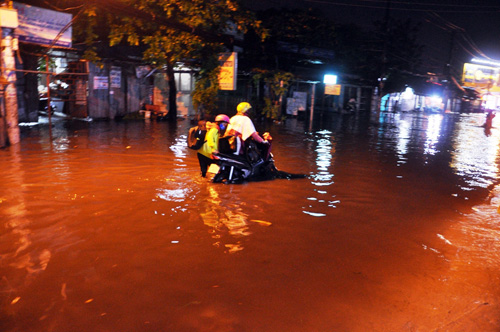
[108, 226]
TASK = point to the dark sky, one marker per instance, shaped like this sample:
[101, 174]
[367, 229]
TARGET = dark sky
[479, 19]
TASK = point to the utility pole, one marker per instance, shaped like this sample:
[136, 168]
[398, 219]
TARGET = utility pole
[311, 115]
[447, 71]
[385, 31]
[9, 22]
[385, 36]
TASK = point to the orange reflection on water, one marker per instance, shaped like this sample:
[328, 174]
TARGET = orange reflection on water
[223, 218]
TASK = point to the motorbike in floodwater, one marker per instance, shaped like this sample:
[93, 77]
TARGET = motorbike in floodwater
[255, 164]
[43, 106]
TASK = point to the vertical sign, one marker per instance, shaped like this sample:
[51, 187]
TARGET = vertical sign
[228, 71]
[115, 77]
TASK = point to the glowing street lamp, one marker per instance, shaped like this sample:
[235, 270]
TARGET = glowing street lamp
[330, 79]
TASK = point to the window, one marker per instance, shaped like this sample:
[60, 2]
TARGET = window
[185, 82]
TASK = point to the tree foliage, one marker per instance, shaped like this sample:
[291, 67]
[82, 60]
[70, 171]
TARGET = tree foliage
[277, 83]
[205, 92]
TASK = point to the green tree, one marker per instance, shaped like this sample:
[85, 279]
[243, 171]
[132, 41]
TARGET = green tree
[170, 32]
[277, 83]
[207, 86]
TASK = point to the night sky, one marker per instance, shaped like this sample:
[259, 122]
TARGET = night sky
[479, 19]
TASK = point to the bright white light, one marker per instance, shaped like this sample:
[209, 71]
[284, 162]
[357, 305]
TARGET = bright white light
[436, 100]
[486, 62]
[408, 93]
[330, 79]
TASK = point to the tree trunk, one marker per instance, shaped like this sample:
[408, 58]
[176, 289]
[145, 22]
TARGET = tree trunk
[172, 93]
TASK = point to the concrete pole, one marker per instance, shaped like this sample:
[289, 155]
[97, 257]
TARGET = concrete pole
[311, 116]
[49, 109]
[9, 22]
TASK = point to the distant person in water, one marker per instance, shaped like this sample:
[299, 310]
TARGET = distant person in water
[489, 122]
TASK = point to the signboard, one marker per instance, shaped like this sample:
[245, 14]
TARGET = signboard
[115, 77]
[228, 71]
[101, 82]
[297, 103]
[42, 26]
[333, 89]
[481, 76]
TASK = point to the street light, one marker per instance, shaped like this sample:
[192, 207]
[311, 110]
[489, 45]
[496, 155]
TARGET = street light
[330, 79]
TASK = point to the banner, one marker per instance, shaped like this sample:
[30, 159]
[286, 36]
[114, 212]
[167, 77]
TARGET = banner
[42, 26]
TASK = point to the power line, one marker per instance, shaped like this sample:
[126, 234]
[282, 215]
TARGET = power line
[447, 23]
[381, 6]
[432, 4]
[463, 33]
[432, 22]
[466, 50]
[469, 40]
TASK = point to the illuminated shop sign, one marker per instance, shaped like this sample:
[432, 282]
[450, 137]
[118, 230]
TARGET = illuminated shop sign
[481, 76]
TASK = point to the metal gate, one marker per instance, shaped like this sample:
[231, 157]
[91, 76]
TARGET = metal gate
[69, 87]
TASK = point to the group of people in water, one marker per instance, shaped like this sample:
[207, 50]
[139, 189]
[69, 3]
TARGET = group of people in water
[238, 129]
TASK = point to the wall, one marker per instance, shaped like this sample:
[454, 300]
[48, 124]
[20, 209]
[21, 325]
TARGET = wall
[115, 91]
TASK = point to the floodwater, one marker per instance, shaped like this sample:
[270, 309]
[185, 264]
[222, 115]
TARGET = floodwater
[107, 226]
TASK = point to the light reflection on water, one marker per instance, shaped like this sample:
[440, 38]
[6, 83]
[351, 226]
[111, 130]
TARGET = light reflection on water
[106, 209]
[323, 177]
[403, 138]
[325, 157]
[475, 157]
[433, 132]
